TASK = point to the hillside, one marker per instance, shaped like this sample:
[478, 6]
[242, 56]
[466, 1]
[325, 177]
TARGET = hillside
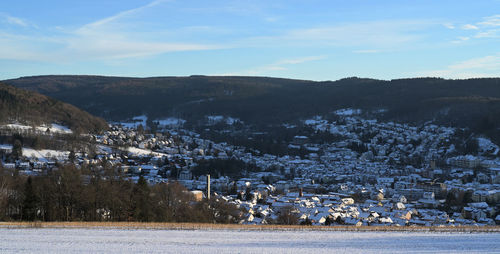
[473, 103]
[18, 105]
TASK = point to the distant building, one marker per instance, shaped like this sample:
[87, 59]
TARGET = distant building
[185, 175]
[300, 140]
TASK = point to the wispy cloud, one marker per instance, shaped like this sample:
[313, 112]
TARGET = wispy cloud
[469, 27]
[491, 21]
[106, 38]
[272, 19]
[366, 51]
[299, 60]
[487, 66]
[487, 28]
[280, 65]
[461, 39]
[374, 35]
[122, 15]
[380, 33]
[14, 20]
[491, 33]
[103, 39]
[449, 25]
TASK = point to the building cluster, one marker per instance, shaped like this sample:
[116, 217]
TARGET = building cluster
[377, 173]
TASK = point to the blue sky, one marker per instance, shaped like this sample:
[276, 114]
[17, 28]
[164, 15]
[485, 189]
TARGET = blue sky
[315, 39]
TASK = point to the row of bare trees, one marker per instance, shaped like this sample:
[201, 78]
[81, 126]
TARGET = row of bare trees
[91, 194]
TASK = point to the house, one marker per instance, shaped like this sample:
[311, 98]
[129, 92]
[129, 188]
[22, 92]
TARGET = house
[439, 189]
[398, 198]
[185, 175]
[491, 196]
[300, 140]
[385, 181]
[198, 195]
[347, 201]
[9, 165]
[477, 211]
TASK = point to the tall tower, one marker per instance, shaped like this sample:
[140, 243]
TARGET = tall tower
[208, 186]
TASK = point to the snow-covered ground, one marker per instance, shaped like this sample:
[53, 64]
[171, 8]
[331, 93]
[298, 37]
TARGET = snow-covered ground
[45, 154]
[40, 155]
[226, 119]
[138, 151]
[170, 122]
[485, 145]
[348, 112]
[231, 241]
[136, 121]
[53, 128]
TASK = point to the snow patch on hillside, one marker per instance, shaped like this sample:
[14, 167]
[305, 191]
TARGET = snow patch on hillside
[136, 121]
[40, 155]
[226, 119]
[486, 146]
[317, 123]
[170, 122]
[348, 112]
[5, 147]
[53, 128]
[45, 154]
[142, 152]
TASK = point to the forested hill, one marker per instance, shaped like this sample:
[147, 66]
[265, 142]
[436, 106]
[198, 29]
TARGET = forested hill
[19, 105]
[474, 103]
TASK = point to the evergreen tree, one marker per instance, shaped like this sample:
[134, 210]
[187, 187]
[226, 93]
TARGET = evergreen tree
[30, 201]
[141, 205]
[17, 149]
[140, 129]
[71, 156]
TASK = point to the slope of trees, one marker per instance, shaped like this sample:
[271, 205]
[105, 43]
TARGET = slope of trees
[32, 108]
[89, 194]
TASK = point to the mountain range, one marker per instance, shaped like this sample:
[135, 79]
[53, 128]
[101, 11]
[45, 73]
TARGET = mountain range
[473, 103]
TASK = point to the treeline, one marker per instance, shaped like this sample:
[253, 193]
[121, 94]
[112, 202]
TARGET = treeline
[473, 103]
[71, 194]
[267, 139]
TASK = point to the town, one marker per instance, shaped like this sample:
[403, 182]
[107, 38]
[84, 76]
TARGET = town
[372, 173]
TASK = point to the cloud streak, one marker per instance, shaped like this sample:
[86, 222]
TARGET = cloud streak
[106, 38]
[487, 66]
[375, 35]
[491, 21]
[469, 27]
[280, 65]
[103, 39]
[489, 27]
[14, 20]
[122, 14]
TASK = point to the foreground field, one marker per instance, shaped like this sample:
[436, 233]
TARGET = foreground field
[126, 240]
[208, 226]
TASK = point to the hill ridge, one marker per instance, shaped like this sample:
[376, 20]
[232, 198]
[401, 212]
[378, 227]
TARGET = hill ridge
[19, 105]
[257, 100]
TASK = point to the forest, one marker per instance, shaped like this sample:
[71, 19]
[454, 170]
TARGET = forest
[33, 109]
[104, 194]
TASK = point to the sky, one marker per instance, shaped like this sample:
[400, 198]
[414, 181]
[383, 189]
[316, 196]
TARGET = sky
[313, 39]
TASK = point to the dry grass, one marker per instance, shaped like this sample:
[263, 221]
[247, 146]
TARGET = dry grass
[201, 226]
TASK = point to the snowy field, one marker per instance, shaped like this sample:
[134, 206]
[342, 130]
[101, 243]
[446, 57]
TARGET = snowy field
[53, 240]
